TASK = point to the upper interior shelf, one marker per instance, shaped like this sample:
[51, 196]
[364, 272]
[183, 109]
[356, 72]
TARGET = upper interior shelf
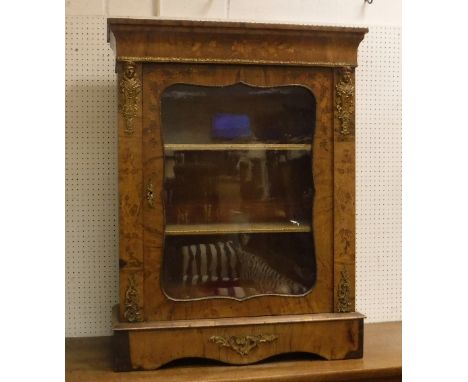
[236, 146]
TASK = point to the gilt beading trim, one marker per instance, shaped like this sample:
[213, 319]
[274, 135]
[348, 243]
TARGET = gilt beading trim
[245, 61]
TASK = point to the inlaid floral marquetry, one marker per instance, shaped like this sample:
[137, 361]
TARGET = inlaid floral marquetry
[243, 344]
[344, 303]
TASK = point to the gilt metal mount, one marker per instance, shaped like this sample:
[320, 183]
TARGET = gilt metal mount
[344, 100]
[243, 344]
[150, 193]
[129, 95]
[132, 310]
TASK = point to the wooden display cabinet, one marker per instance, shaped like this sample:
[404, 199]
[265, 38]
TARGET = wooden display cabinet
[236, 191]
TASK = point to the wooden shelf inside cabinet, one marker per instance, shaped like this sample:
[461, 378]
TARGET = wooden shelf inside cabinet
[224, 228]
[238, 146]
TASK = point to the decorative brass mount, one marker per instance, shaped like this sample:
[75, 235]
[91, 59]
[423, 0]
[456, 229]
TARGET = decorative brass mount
[132, 311]
[243, 344]
[344, 101]
[129, 95]
[150, 193]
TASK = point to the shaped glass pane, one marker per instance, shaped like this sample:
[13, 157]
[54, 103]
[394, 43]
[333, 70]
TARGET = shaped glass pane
[238, 191]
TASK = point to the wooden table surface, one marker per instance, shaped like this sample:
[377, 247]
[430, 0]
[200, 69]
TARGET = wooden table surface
[90, 359]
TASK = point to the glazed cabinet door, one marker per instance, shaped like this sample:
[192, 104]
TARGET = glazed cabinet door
[237, 180]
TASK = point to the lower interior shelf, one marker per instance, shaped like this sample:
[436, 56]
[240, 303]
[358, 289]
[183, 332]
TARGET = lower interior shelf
[225, 228]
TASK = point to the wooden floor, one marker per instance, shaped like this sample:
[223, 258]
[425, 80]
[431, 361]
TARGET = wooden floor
[90, 359]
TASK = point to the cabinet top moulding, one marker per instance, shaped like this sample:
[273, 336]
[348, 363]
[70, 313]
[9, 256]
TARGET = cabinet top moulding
[215, 42]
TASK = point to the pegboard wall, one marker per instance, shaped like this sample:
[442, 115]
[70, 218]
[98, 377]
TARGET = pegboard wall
[378, 175]
[91, 177]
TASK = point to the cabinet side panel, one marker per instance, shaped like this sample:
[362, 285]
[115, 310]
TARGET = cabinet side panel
[130, 186]
[344, 191]
[321, 83]
[153, 175]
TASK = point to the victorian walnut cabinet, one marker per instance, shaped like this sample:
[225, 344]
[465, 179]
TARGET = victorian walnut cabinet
[236, 191]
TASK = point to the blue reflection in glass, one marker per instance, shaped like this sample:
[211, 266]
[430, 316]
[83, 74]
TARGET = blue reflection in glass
[231, 126]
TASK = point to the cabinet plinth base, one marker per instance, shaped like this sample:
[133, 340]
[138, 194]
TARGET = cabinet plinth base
[149, 345]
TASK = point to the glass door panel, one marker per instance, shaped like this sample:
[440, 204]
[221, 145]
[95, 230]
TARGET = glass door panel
[238, 191]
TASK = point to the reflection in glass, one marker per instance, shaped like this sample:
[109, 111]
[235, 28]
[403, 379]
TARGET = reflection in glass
[238, 191]
[237, 113]
[231, 127]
